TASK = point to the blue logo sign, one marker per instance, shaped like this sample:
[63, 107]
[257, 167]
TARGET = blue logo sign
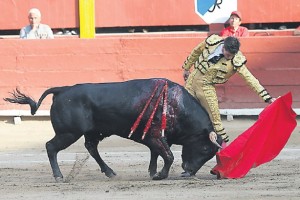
[215, 11]
[203, 6]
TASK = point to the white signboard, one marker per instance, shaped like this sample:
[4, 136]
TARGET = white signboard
[215, 11]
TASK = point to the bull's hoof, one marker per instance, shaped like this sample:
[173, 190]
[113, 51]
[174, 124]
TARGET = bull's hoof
[59, 179]
[159, 176]
[152, 173]
[186, 174]
[110, 173]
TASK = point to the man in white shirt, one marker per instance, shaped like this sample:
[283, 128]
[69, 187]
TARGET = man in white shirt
[36, 30]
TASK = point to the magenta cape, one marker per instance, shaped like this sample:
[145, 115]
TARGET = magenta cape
[261, 143]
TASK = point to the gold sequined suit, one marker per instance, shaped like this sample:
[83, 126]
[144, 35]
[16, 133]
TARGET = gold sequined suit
[201, 81]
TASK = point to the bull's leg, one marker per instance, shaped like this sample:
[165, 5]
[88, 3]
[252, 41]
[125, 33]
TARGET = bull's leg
[91, 145]
[56, 144]
[153, 163]
[161, 147]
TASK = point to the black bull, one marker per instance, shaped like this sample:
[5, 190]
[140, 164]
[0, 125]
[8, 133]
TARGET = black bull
[100, 110]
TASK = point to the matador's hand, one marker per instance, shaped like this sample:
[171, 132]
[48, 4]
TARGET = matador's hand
[272, 100]
[186, 74]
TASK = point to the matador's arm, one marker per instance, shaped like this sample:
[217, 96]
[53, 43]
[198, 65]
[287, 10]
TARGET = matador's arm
[239, 62]
[254, 83]
[192, 58]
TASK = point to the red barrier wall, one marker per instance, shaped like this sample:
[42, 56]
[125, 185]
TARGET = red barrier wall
[124, 13]
[55, 13]
[268, 11]
[35, 65]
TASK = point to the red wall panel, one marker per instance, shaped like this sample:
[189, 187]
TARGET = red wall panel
[55, 13]
[118, 13]
[268, 11]
[39, 64]
[124, 13]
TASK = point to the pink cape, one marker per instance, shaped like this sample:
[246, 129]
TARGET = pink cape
[261, 143]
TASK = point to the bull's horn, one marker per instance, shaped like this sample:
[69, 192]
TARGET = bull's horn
[217, 144]
[213, 139]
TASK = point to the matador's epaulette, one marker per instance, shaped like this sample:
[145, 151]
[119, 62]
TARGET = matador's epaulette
[213, 40]
[238, 60]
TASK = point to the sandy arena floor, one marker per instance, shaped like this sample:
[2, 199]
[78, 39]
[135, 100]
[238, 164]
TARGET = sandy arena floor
[25, 170]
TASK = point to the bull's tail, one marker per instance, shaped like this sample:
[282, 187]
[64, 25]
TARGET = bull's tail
[20, 98]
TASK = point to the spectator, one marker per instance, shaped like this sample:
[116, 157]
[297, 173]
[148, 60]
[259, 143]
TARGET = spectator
[215, 60]
[234, 28]
[36, 30]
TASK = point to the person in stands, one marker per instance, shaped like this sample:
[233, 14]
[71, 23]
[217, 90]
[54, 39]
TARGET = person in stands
[235, 29]
[36, 30]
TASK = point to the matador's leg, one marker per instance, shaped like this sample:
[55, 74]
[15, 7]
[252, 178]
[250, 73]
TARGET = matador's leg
[207, 96]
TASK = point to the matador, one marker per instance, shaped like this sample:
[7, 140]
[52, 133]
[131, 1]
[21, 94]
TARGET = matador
[215, 60]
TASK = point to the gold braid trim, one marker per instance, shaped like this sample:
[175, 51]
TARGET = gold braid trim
[213, 40]
[238, 60]
[265, 95]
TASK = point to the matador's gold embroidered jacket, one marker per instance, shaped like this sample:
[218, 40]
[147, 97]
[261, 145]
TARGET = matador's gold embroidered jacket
[221, 71]
[201, 81]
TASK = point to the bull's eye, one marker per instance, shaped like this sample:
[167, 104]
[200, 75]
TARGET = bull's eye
[205, 148]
